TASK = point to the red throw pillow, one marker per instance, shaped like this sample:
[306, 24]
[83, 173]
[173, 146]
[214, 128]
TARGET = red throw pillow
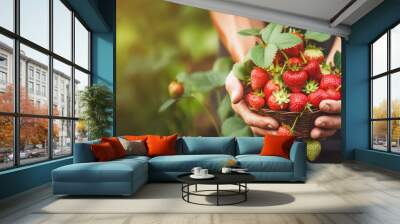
[116, 145]
[277, 145]
[136, 137]
[161, 145]
[103, 151]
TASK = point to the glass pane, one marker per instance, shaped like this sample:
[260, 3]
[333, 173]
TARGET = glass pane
[379, 97]
[7, 14]
[62, 89]
[62, 29]
[81, 81]
[35, 21]
[395, 136]
[62, 138]
[379, 55]
[34, 92]
[379, 135]
[6, 142]
[81, 45]
[6, 74]
[33, 140]
[395, 94]
[81, 131]
[395, 47]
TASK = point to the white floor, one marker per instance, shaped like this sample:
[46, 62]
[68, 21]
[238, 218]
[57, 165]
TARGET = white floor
[377, 190]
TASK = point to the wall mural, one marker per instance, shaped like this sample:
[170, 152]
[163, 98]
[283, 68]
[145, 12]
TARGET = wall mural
[201, 73]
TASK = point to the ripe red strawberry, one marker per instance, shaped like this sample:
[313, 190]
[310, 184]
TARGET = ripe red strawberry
[294, 61]
[258, 78]
[255, 101]
[295, 80]
[316, 97]
[295, 50]
[284, 130]
[297, 102]
[314, 53]
[278, 101]
[270, 88]
[333, 94]
[313, 70]
[331, 81]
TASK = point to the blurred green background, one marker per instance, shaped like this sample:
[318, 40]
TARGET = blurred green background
[156, 43]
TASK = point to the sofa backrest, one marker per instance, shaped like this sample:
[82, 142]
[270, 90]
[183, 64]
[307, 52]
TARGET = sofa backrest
[249, 145]
[206, 145]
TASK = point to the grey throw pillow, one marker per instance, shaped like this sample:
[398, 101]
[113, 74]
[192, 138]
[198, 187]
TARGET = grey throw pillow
[136, 147]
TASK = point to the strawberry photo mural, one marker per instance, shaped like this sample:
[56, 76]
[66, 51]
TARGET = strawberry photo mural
[205, 73]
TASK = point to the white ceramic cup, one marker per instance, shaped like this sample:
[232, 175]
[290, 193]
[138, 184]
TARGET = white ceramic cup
[203, 172]
[226, 170]
[196, 171]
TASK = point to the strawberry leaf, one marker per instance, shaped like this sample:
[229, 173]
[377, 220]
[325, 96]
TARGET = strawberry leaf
[225, 108]
[317, 36]
[250, 32]
[269, 54]
[286, 40]
[338, 60]
[234, 126]
[257, 55]
[242, 70]
[166, 105]
[271, 31]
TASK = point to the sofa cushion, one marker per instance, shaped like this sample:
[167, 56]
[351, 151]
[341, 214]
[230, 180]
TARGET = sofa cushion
[257, 163]
[112, 171]
[103, 152]
[249, 145]
[206, 145]
[161, 145]
[185, 163]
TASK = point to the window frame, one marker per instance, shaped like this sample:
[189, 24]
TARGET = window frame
[388, 74]
[16, 115]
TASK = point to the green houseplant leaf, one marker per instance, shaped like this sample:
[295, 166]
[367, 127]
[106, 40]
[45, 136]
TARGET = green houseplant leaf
[250, 32]
[317, 36]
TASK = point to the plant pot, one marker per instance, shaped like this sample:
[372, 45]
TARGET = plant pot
[304, 124]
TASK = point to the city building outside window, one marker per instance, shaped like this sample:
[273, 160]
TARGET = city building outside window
[41, 83]
[384, 91]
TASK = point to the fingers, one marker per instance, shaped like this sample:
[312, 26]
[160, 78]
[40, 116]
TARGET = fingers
[317, 133]
[262, 132]
[253, 119]
[234, 88]
[331, 106]
[328, 122]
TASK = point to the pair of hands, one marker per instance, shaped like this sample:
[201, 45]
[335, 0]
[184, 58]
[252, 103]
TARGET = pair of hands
[325, 126]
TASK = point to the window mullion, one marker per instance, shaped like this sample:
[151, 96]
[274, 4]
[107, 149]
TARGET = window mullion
[73, 82]
[389, 101]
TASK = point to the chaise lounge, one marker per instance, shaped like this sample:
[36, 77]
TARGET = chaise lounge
[125, 176]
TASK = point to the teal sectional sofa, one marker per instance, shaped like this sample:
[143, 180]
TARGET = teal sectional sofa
[125, 176]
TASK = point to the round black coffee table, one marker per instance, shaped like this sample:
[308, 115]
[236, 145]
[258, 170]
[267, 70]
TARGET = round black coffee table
[238, 179]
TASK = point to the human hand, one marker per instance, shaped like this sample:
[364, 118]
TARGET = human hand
[327, 125]
[259, 125]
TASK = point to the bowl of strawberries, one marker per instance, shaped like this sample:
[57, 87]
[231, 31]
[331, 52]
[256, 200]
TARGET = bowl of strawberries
[285, 76]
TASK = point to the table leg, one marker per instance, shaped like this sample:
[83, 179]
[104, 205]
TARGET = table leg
[245, 193]
[217, 194]
[195, 188]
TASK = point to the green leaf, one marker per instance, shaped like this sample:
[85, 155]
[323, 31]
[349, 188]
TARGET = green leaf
[242, 70]
[317, 36]
[271, 31]
[269, 54]
[285, 40]
[225, 109]
[166, 105]
[234, 126]
[338, 60]
[257, 55]
[222, 64]
[250, 32]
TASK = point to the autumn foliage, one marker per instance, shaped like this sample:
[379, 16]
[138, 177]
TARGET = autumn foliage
[33, 131]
